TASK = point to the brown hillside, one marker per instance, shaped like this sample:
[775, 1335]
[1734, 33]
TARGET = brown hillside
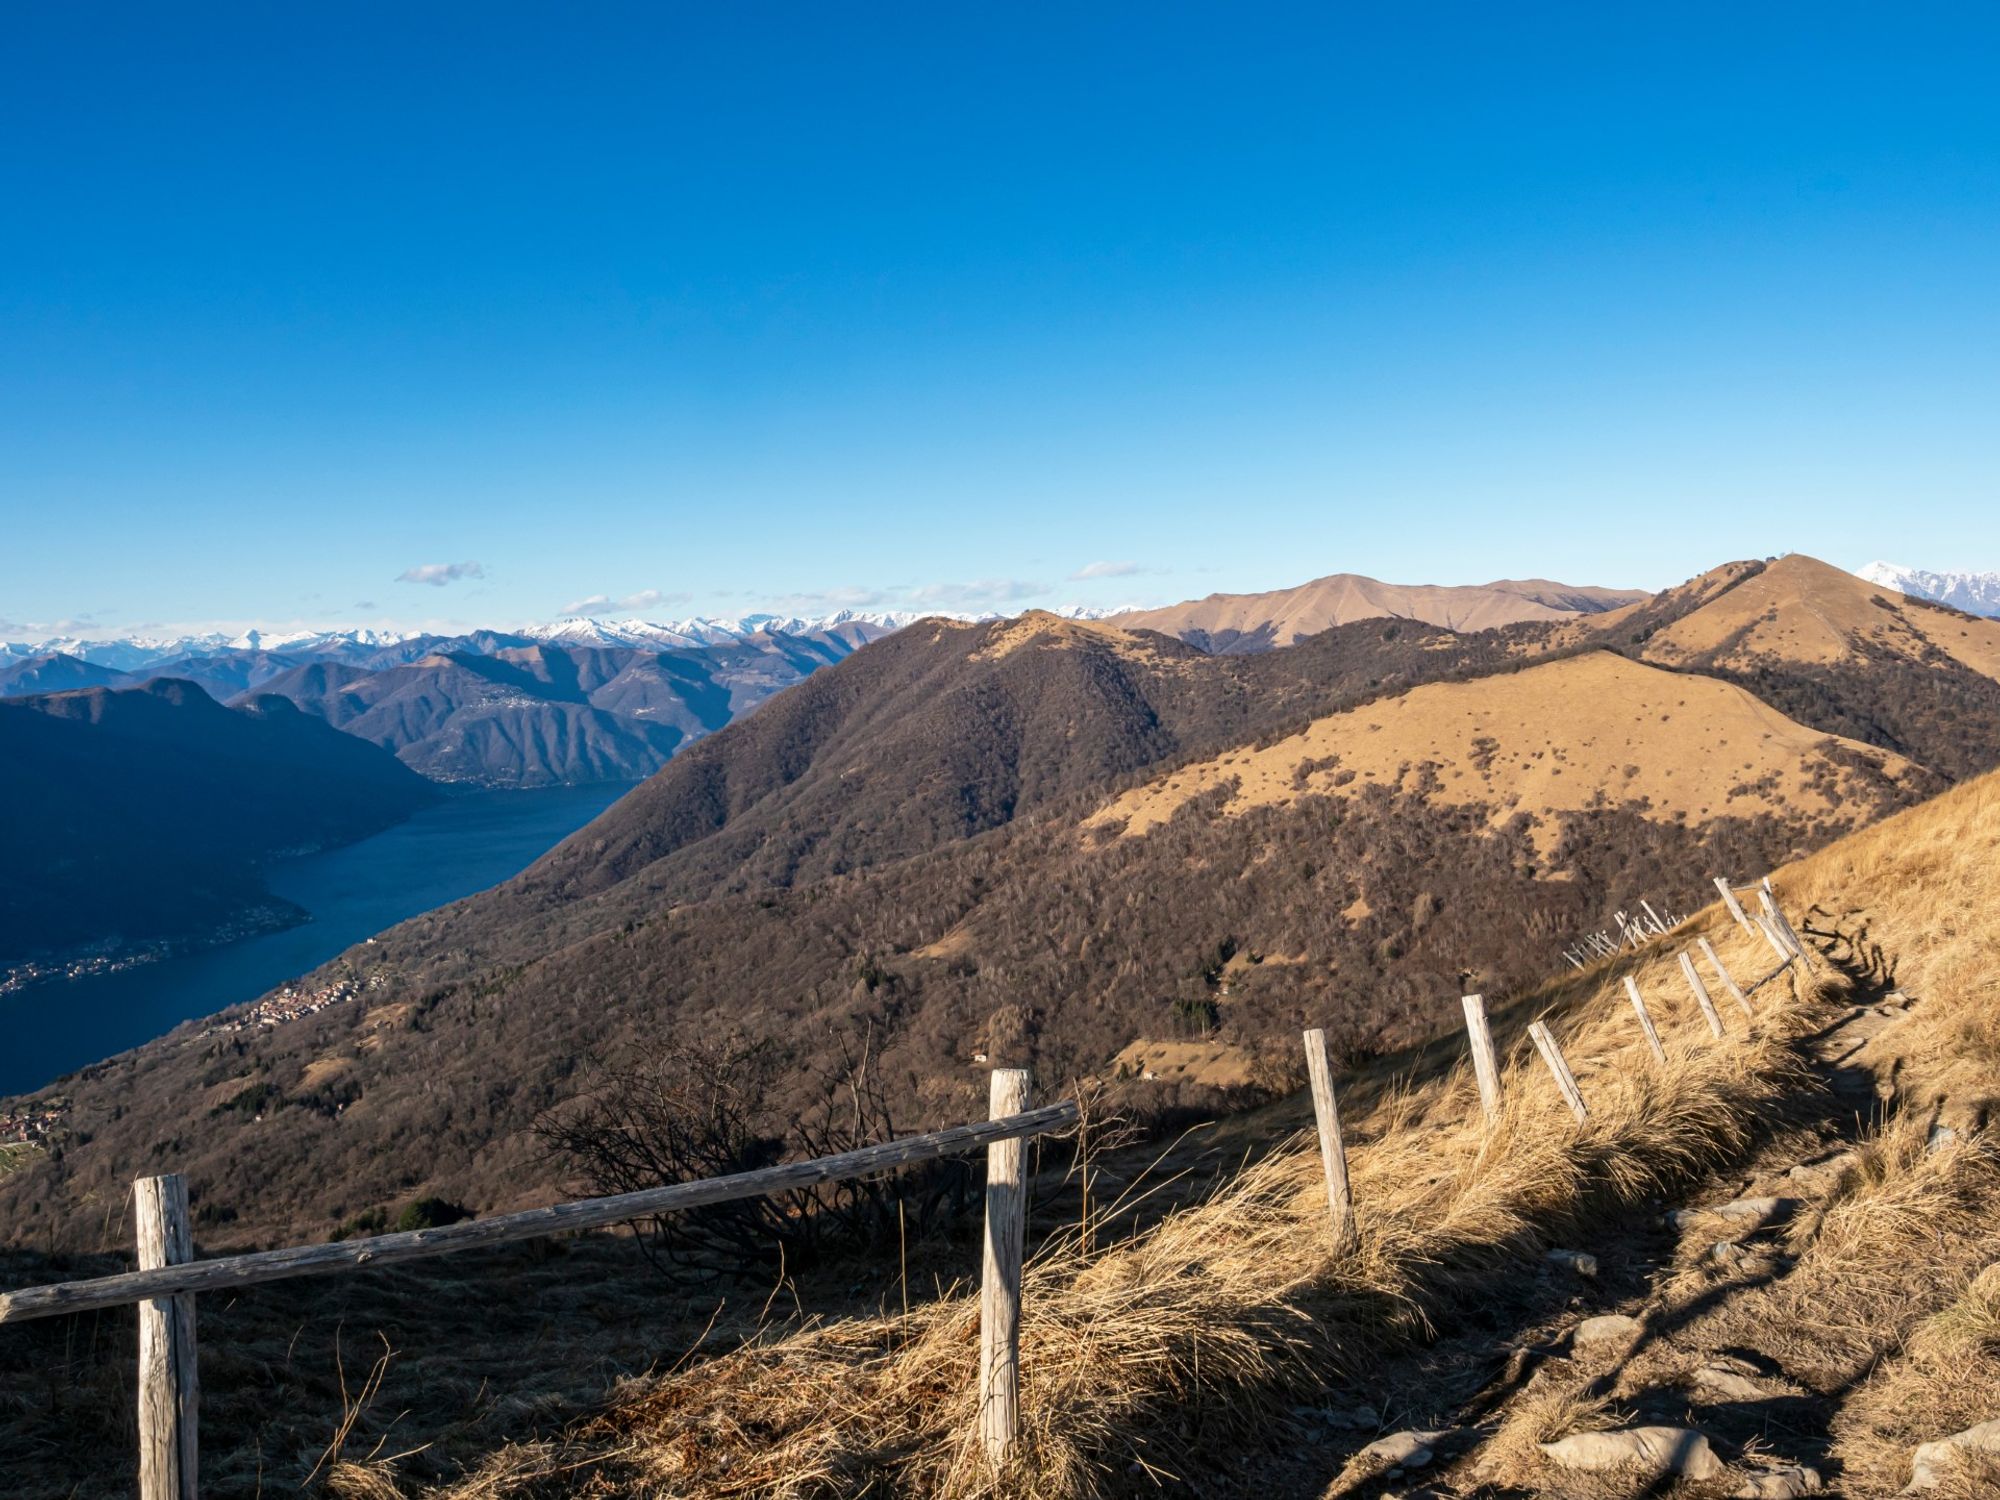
[1235, 623]
[1802, 610]
[1561, 737]
[1639, 621]
[1825, 648]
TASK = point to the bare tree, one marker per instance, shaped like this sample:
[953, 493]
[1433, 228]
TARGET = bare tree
[685, 1110]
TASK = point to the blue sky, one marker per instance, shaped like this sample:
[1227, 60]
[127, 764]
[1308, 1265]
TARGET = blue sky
[714, 308]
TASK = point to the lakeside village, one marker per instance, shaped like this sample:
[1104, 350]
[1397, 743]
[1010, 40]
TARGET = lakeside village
[36, 1124]
[32, 1124]
[115, 955]
[291, 1003]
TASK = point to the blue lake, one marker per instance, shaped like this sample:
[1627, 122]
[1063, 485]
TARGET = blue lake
[464, 844]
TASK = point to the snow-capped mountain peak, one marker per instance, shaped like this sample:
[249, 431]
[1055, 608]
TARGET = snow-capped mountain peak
[709, 630]
[1975, 593]
[140, 652]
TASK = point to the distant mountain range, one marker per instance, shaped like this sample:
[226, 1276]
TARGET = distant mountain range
[593, 700]
[517, 713]
[573, 702]
[135, 653]
[1975, 593]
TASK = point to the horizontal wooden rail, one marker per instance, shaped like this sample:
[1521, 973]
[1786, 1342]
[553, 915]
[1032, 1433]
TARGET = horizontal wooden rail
[1757, 984]
[231, 1271]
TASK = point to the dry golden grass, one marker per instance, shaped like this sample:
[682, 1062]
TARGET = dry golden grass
[1545, 1411]
[1919, 1229]
[1801, 609]
[1558, 737]
[1888, 1311]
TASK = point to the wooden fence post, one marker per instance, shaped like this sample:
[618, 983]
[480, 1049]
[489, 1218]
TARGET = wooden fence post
[1645, 1021]
[1779, 920]
[1565, 1080]
[1728, 982]
[1000, 1288]
[169, 1387]
[1707, 1005]
[1332, 1149]
[1776, 939]
[1485, 1064]
[1729, 900]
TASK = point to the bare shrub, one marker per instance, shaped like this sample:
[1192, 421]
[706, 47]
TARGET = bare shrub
[685, 1110]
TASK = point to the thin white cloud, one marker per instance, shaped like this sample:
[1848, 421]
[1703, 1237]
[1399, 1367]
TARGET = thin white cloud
[437, 575]
[826, 601]
[981, 593]
[42, 629]
[597, 604]
[1106, 570]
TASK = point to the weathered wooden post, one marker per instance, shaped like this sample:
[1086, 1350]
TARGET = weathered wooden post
[1779, 920]
[1545, 1044]
[1708, 1010]
[1000, 1288]
[169, 1387]
[1332, 1149]
[1778, 944]
[1485, 1064]
[1728, 982]
[1729, 900]
[1645, 1021]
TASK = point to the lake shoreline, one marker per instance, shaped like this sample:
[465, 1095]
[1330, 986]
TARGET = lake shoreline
[467, 841]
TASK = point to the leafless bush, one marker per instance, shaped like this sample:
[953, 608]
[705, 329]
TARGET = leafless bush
[686, 1110]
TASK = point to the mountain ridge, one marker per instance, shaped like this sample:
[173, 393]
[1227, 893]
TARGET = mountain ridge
[1236, 623]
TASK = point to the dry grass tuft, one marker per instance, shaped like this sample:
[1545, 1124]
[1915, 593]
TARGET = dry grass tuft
[1968, 1329]
[1549, 1409]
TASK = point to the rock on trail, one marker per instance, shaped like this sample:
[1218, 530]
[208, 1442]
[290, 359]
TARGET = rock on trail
[1679, 1451]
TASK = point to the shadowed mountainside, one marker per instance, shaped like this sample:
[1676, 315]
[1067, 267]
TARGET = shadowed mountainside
[57, 672]
[152, 807]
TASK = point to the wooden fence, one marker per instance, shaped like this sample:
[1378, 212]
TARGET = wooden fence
[168, 1278]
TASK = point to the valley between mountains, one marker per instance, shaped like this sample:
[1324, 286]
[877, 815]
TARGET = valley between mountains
[1096, 850]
